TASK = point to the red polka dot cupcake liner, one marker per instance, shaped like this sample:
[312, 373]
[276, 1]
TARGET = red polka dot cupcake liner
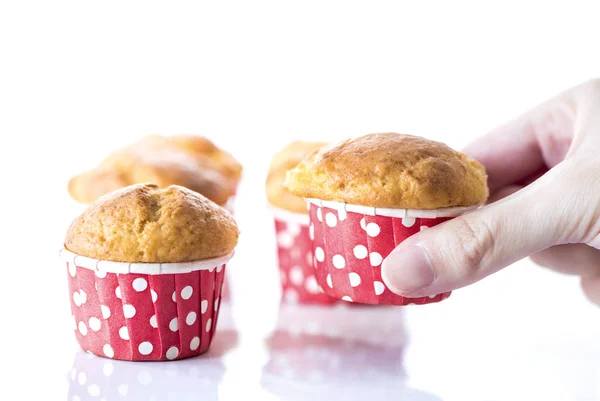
[350, 243]
[144, 311]
[295, 256]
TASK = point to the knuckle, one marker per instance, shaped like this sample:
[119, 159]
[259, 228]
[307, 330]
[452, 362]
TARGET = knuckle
[594, 84]
[474, 240]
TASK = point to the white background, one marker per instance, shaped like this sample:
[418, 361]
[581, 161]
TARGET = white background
[79, 78]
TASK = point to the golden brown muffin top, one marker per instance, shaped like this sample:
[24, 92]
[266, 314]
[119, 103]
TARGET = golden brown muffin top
[284, 160]
[144, 223]
[190, 161]
[391, 170]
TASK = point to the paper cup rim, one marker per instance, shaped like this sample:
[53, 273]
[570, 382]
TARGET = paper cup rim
[393, 212]
[107, 266]
[286, 215]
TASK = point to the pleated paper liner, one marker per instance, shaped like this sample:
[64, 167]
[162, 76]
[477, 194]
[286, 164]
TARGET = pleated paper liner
[350, 243]
[144, 311]
[295, 259]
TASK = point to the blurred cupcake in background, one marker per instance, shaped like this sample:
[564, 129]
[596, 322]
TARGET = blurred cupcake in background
[146, 268]
[294, 245]
[190, 161]
[369, 194]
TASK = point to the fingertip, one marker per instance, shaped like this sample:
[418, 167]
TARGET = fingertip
[591, 288]
[407, 270]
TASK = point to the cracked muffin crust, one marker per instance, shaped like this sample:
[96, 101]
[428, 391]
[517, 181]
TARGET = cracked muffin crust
[144, 223]
[391, 170]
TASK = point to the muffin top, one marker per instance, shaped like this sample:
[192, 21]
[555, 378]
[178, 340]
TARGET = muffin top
[190, 161]
[144, 223]
[391, 170]
[282, 161]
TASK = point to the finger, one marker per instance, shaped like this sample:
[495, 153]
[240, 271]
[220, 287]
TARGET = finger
[578, 259]
[536, 140]
[509, 153]
[470, 247]
[504, 192]
[591, 288]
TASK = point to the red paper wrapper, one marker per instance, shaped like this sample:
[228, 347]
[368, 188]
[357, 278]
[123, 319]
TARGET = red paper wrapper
[144, 311]
[350, 243]
[294, 251]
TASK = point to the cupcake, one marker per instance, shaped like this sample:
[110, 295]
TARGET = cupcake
[146, 268]
[368, 194]
[294, 246]
[190, 161]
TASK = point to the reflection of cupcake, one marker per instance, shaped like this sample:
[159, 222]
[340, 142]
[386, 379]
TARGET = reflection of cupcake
[190, 161]
[335, 351]
[294, 246]
[146, 267]
[95, 379]
[368, 194]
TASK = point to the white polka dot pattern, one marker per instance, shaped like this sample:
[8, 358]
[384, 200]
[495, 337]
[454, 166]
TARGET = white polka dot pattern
[105, 311]
[331, 219]
[172, 353]
[145, 348]
[375, 258]
[140, 284]
[94, 323]
[124, 333]
[360, 251]
[108, 351]
[349, 252]
[408, 221]
[338, 261]
[187, 292]
[140, 317]
[174, 325]
[296, 261]
[190, 318]
[354, 279]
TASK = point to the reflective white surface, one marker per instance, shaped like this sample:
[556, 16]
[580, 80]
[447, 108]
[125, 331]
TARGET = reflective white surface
[82, 78]
[516, 350]
[522, 334]
[433, 353]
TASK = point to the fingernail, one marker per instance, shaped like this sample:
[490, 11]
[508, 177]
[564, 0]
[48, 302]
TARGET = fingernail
[407, 269]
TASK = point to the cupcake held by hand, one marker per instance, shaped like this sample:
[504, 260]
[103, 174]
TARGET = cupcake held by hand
[368, 194]
[146, 268]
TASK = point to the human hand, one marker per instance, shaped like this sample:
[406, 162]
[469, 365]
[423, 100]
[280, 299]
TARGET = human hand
[544, 177]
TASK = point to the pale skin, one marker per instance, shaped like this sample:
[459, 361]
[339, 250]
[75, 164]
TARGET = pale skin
[544, 177]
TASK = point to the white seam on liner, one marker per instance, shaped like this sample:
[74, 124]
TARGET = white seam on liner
[106, 266]
[287, 216]
[389, 212]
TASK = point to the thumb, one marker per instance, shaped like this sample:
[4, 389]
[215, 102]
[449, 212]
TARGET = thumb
[468, 248]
